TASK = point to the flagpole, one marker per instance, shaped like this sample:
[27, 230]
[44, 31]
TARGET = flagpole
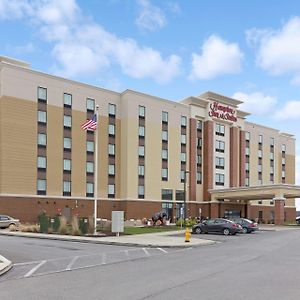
[96, 173]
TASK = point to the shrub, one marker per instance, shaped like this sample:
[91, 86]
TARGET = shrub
[75, 226]
[29, 228]
[63, 225]
[144, 221]
[186, 223]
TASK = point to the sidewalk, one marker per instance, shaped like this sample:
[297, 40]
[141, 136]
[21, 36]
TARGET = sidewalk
[160, 239]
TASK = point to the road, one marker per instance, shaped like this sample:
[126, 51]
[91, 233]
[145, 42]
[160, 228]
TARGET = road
[264, 265]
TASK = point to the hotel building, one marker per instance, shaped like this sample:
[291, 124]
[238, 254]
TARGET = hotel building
[151, 150]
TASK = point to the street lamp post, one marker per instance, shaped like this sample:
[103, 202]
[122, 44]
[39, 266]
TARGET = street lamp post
[184, 194]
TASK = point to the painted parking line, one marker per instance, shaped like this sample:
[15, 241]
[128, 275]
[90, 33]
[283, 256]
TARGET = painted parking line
[34, 269]
[64, 264]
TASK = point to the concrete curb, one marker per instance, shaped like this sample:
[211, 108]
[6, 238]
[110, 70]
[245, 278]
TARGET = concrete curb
[110, 240]
[5, 265]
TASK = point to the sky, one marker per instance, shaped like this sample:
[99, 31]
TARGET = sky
[246, 49]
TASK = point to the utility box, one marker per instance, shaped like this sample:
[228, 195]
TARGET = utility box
[117, 222]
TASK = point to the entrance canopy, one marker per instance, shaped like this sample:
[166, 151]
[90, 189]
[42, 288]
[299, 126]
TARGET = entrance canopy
[273, 191]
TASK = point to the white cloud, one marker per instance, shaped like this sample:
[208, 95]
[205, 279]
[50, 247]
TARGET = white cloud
[290, 111]
[150, 17]
[83, 47]
[14, 9]
[218, 57]
[256, 103]
[278, 51]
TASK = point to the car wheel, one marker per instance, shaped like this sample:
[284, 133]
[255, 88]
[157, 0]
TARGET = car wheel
[245, 230]
[12, 227]
[198, 230]
[226, 231]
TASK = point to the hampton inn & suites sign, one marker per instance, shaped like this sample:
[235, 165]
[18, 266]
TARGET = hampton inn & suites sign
[220, 111]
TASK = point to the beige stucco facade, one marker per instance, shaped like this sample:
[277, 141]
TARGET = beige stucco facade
[19, 105]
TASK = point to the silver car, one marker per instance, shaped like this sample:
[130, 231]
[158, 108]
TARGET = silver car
[7, 221]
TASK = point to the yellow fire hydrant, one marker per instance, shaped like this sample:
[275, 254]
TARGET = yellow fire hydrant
[187, 235]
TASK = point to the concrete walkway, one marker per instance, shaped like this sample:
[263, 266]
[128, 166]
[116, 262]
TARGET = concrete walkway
[161, 239]
[5, 265]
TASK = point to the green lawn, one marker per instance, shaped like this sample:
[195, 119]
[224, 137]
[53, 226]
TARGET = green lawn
[141, 230]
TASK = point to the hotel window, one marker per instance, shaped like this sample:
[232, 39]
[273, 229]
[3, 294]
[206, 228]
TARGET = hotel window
[247, 151]
[247, 181]
[247, 136]
[111, 170]
[111, 149]
[271, 170]
[219, 179]
[183, 121]
[283, 160]
[283, 174]
[260, 139]
[199, 125]
[220, 146]
[271, 141]
[67, 188]
[199, 177]
[183, 157]
[42, 93]
[141, 171]
[67, 121]
[89, 167]
[259, 153]
[259, 168]
[42, 140]
[220, 130]
[271, 156]
[183, 139]
[283, 148]
[199, 142]
[220, 162]
[112, 109]
[167, 194]
[67, 143]
[142, 151]
[111, 190]
[164, 174]
[164, 117]
[199, 159]
[42, 117]
[141, 191]
[164, 154]
[41, 162]
[67, 165]
[90, 146]
[164, 135]
[111, 129]
[182, 176]
[90, 104]
[67, 100]
[141, 131]
[247, 166]
[89, 189]
[41, 186]
[142, 111]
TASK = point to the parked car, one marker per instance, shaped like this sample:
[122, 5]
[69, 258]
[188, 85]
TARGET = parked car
[247, 225]
[298, 220]
[7, 221]
[217, 225]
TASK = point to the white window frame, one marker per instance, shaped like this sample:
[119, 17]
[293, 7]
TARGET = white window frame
[67, 121]
[112, 109]
[42, 139]
[90, 104]
[68, 99]
[42, 162]
[42, 116]
[67, 143]
[90, 167]
[67, 164]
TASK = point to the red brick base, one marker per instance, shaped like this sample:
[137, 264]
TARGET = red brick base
[28, 209]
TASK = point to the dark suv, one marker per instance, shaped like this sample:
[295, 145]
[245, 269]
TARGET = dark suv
[247, 225]
[218, 225]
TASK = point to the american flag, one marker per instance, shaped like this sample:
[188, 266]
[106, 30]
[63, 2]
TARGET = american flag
[90, 124]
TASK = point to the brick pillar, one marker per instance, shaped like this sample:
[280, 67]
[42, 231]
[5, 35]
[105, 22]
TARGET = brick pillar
[193, 159]
[248, 211]
[214, 209]
[208, 158]
[242, 158]
[279, 211]
[234, 157]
